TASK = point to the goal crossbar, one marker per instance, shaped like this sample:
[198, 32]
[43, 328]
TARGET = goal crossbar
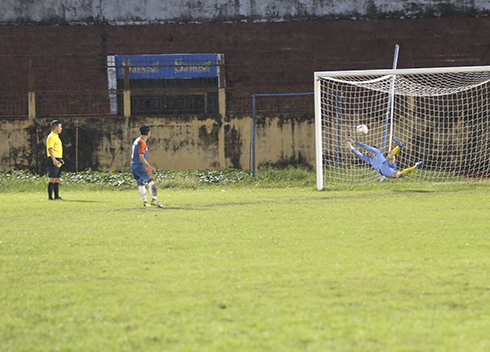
[405, 71]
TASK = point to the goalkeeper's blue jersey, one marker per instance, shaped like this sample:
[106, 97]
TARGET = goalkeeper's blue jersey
[377, 160]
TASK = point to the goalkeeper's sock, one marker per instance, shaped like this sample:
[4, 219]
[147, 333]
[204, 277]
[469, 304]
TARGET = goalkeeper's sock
[408, 171]
[396, 150]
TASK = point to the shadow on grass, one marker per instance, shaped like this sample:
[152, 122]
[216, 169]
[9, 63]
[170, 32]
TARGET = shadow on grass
[414, 191]
[155, 209]
[80, 201]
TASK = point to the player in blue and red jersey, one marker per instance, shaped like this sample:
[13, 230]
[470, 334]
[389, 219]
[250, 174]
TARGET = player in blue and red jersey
[141, 169]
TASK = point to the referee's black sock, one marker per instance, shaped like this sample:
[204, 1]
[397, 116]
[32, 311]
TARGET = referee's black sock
[50, 190]
[56, 189]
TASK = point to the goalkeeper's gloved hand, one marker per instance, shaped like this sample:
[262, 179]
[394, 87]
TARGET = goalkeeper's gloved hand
[348, 143]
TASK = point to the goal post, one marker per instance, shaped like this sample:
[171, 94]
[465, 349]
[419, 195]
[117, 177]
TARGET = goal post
[442, 116]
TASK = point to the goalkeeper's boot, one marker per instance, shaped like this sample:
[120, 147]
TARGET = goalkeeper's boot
[155, 203]
[419, 164]
[399, 146]
[398, 142]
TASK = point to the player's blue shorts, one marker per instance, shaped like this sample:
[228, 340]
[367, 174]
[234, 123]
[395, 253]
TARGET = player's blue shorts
[141, 174]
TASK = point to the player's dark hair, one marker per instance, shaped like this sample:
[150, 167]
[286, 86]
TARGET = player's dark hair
[54, 124]
[144, 129]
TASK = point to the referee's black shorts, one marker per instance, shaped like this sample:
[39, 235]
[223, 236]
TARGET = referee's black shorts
[53, 171]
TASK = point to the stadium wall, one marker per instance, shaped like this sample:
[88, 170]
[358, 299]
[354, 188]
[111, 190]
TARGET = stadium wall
[58, 62]
[104, 144]
[56, 12]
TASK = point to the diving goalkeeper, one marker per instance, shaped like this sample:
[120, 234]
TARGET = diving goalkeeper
[384, 164]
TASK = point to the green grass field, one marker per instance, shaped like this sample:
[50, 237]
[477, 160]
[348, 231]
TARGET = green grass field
[383, 267]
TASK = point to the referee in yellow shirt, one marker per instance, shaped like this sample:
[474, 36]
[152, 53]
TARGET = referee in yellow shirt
[54, 161]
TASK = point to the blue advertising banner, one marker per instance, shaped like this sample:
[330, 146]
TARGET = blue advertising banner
[168, 66]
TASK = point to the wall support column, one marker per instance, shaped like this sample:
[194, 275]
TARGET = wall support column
[31, 106]
[127, 92]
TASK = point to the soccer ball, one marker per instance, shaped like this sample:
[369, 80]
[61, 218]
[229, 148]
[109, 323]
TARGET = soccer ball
[362, 130]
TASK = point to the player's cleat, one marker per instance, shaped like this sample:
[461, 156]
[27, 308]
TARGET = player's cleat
[58, 198]
[146, 204]
[381, 179]
[419, 164]
[397, 142]
[155, 203]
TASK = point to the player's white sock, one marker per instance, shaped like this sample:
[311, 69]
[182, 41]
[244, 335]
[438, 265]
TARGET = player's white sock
[153, 190]
[142, 190]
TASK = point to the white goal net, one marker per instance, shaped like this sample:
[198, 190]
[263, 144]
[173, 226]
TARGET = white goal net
[441, 115]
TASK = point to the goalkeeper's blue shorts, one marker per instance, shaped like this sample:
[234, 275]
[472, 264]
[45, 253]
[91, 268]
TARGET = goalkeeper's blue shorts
[387, 169]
